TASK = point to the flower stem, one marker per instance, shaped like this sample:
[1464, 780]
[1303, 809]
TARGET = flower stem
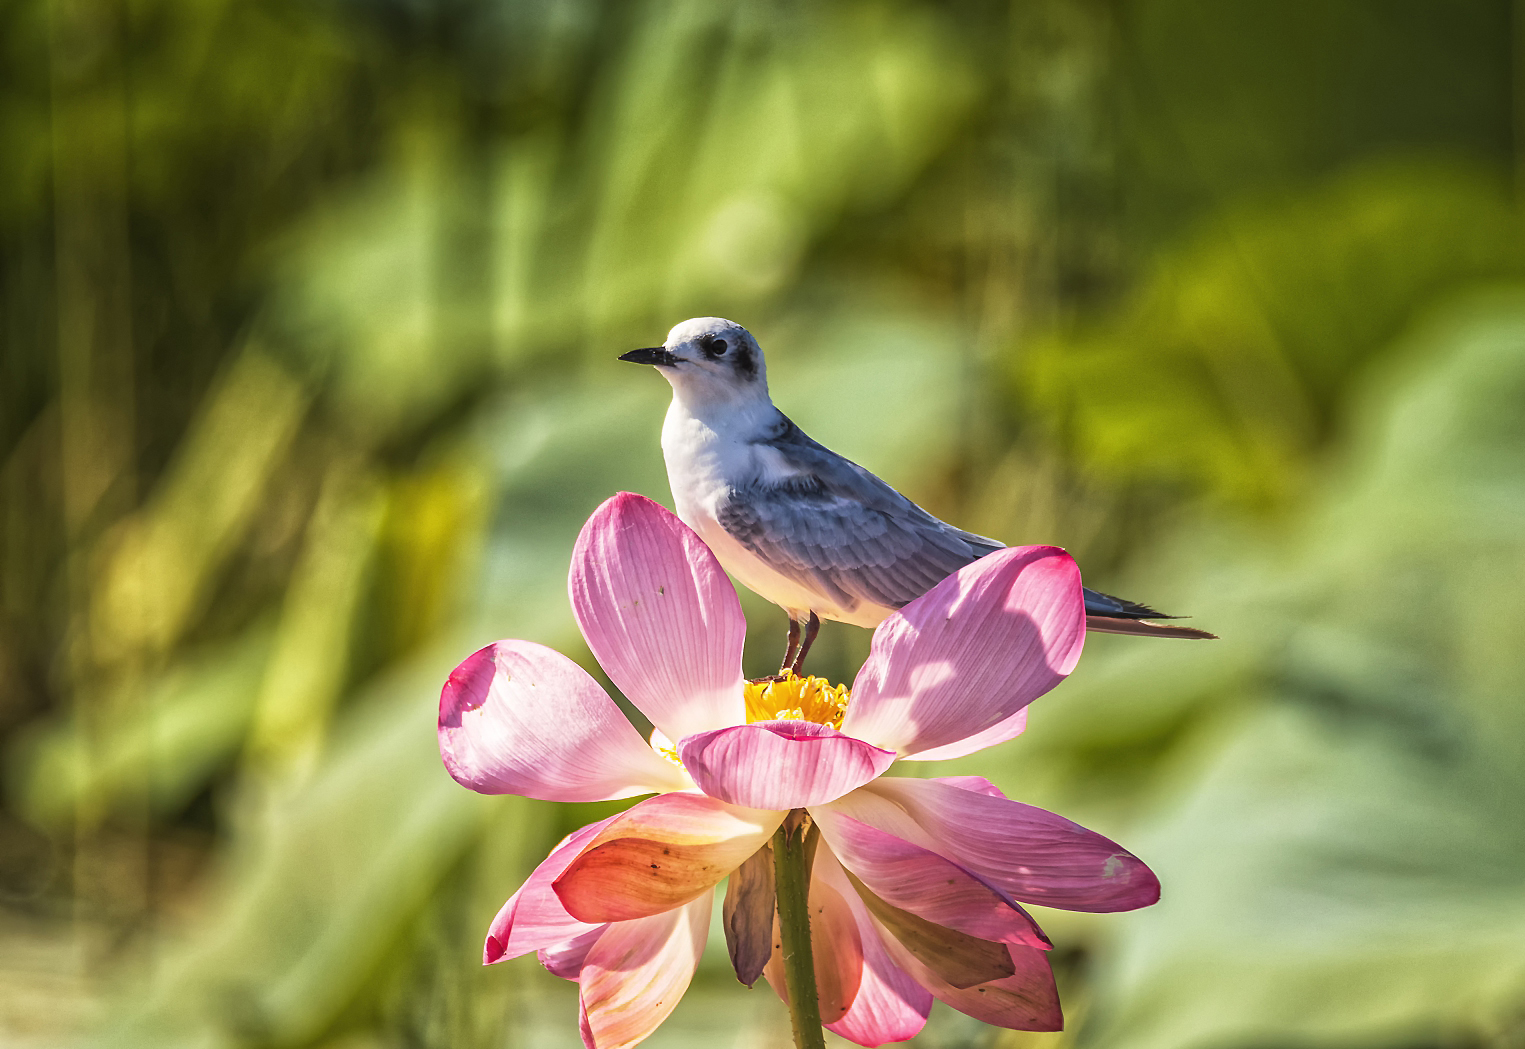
[793, 850]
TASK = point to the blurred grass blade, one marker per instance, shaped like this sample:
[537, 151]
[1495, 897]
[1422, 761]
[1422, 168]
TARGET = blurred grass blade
[310, 661]
[164, 562]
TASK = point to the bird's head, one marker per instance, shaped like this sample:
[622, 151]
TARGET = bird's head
[709, 360]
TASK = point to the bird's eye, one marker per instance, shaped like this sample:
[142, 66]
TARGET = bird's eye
[713, 345]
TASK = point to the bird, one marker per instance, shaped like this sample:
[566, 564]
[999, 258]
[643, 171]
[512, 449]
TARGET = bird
[807, 529]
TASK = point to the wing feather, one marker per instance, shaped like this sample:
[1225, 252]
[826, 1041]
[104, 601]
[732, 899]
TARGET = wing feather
[838, 530]
[832, 526]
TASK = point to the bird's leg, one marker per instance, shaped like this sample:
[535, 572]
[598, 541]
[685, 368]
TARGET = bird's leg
[789, 653]
[812, 627]
[793, 647]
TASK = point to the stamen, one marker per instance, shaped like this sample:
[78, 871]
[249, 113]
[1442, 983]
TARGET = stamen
[665, 747]
[797, 699]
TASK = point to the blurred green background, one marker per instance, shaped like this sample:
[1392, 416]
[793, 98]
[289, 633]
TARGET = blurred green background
[309, 312]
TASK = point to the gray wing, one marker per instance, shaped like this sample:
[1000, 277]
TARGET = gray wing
[837, 529]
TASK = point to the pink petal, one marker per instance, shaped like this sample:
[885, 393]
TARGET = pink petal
[1030, 853]
[635, 974]
[660, 616]
[930, 886]
[889, 1006]
[533, 918]
[968, 655]
[660, 854]
[520, 718]
[836, 952]
[1024, 1001]
[780, 764]
[978, 784]
[565, 959]
[835, 946]
[958, 959]
[1000, 732]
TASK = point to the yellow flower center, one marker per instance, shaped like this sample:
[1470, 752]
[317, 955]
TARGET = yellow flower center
[792, 699]
[797, 699]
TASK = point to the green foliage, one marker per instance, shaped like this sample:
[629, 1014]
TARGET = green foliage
[308, 318]
[1336, 829]
[192, 719]
[1227, 368]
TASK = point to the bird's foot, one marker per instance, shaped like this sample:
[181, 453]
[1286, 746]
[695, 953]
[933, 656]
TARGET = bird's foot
[796, 666]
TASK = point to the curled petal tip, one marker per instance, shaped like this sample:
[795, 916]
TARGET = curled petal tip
[780, 764]
[519, 718]
[1033, 855]
[951, 671]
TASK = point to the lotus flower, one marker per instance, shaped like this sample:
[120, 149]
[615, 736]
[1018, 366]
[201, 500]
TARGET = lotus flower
[917, 884]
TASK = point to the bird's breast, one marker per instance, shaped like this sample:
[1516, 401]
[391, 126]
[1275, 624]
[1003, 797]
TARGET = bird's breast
[704, 469]
[698, 464]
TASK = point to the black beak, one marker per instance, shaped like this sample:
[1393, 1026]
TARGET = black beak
[650, 355]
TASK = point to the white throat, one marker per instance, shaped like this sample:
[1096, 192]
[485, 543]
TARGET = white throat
[710, 444]
[728, 411]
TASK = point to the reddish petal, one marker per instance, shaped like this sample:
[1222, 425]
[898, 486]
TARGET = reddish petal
[1024, 1001]
[660, 615]
[835, 947]
[533, 918]
[520, 718]
[637, 971]
[969, 654]
[890, 1006]
[1030, 853]
[660, 854]
[780, 764]
[930, 886]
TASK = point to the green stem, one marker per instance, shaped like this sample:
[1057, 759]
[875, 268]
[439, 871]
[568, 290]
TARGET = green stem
[793, 849]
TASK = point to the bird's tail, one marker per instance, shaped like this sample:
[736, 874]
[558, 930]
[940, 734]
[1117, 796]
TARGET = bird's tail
[1116, 615]
[1139, 628]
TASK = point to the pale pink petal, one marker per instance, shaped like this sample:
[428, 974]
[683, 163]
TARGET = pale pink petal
[1024, 1001]
[890, 1006]
[1000, 732]
[1030, 853]
[978, 784]
[930, 886]
[565, 959]
[970, 653]
[660, 616]
[780, 764]
[660, 854]
[520, 718]
[533, 917]
[637, 971]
